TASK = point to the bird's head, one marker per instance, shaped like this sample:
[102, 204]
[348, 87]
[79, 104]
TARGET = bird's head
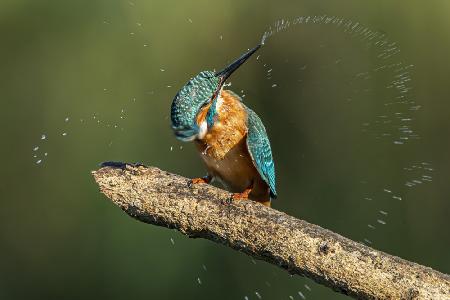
[200, 91]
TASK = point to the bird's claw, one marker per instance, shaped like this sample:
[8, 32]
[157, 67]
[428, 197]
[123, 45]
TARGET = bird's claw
[193, 181]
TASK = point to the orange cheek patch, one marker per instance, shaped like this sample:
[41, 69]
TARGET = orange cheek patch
[201, 116]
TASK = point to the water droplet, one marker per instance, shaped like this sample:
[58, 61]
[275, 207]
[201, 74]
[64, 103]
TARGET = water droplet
[39, 161]
[301, 295]
[43, 137]
[368, 241]
[66, 119]
[274, 85]
[172, 241]
[258, 295]
[199, 280]
[64, 134]
[36, 148]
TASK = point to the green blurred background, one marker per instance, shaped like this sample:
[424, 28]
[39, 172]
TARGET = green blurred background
[97, 79]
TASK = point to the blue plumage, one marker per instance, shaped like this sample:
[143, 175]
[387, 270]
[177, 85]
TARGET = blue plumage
[188, 101]
[231, 137]
[259, 148]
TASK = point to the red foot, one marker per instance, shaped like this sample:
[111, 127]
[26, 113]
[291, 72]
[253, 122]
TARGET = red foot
[199, 180]
[243, 195]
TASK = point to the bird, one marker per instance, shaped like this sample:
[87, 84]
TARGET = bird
[230, 137]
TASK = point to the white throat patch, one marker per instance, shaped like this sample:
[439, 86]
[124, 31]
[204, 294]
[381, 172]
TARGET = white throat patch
[219, 101]
[203, 130]
[204, 125]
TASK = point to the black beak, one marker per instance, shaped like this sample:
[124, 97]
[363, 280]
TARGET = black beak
[225, 73]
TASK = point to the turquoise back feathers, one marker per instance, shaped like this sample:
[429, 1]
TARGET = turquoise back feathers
[188, 101]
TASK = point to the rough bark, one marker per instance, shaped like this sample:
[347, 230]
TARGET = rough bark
[160, 198]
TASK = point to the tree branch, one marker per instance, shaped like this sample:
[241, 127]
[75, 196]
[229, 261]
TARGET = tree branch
[160, 198]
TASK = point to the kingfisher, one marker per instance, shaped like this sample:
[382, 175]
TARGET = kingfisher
[230, 137]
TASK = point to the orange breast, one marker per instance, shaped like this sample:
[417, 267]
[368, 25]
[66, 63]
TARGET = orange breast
[224, 148]
[229, 128]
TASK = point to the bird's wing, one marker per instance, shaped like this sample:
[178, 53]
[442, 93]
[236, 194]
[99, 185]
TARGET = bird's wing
[259, 148]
